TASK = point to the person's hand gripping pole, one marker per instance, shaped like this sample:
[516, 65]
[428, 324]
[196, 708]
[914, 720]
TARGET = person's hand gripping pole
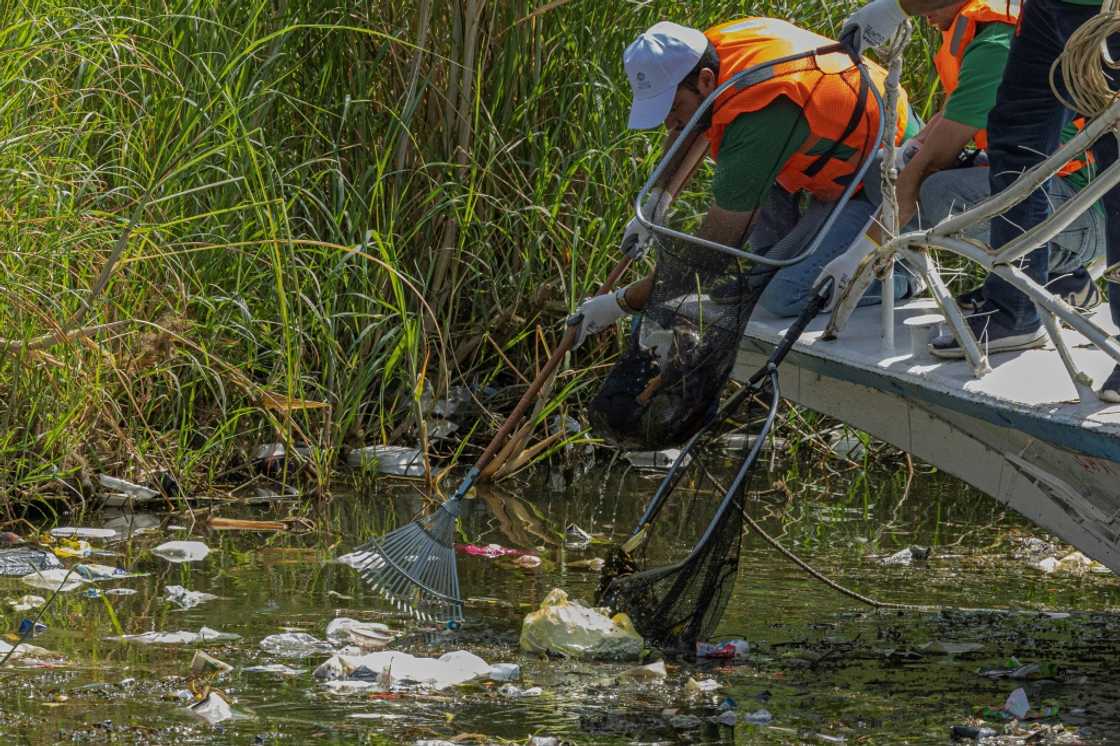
[873, 25]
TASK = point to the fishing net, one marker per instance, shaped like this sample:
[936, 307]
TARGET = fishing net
[667, 382]
[677, 604]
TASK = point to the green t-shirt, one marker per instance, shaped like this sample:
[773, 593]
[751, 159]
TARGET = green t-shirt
[981, 72]
[755, 147]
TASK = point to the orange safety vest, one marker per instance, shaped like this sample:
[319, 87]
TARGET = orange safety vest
[828, 88]
[955, 41]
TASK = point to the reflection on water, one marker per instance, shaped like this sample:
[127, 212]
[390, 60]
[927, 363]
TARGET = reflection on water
[819, 663]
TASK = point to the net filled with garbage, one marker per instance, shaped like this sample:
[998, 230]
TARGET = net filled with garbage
[696, 519]
[681, 349]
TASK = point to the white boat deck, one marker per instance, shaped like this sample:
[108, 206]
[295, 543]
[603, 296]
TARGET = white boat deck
[1031, 382]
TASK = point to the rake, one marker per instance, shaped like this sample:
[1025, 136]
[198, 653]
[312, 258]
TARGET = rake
[413, 567]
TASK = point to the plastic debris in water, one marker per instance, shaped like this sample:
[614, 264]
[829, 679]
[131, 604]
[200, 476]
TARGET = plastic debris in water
[758, 717]
[490, 551]
[73, 532]
[505, 672]
[122, 492]
[527, 561]
[657, 460]
[277, 669]
[214, 709]
[729, 649]
[645, 674]
[695, 688]
[182, 551]
[20, 561]
[575, 537]
[182, 637]
[568, 628]
[366, 635]
[57, 578]
[203, 664]
[185, 599]
[26, 603]
[295, 645]
[29, 629]
[390, 669]
[516, 692]
[394, 460]
[1017, 704]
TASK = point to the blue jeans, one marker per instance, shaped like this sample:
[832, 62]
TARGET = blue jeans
[955, 190]
[1023, 128]
[781, 231]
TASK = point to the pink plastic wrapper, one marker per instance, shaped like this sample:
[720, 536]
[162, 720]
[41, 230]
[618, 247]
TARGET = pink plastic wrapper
[729, 649]
[490, 551]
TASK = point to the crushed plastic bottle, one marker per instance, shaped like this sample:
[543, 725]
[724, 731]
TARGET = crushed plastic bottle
[295, 645]
[182, 637]
[76, 532]
[366, 635]
[394, 460]
[57, 578]
[182, 551]
[20, 561]
[655, 460]
[185, 599]
[122, 492]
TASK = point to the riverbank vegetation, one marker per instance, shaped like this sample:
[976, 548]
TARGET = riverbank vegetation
[296, 221]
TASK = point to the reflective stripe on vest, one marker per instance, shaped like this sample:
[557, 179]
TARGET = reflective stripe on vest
[960, 34]
[827, 88]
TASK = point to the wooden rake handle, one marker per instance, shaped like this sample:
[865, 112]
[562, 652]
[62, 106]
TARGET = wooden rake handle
[545, 374]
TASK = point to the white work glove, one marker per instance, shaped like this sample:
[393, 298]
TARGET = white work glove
[596, 314]
[636, 238]
[905, 153]
[843, 268]
[873, 25]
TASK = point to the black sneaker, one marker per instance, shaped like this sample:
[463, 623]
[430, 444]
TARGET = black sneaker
[993, 335]
[1110, 391]
[971, 301]
[1077, 289]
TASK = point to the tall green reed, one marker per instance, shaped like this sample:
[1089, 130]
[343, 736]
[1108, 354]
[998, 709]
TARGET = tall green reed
[307, 202]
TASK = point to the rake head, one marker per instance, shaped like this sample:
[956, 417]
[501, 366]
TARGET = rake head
[414, 567]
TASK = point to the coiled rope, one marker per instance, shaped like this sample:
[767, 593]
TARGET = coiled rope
[1085, 62]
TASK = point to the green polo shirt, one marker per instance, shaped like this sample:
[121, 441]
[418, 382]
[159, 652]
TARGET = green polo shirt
[754, 149]
[981, 72]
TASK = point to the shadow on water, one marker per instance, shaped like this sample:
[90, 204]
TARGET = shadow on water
[822, 665]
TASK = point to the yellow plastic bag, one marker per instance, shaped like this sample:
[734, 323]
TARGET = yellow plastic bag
[568, 628]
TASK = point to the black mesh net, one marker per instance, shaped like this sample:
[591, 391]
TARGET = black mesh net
[674, 604]
[667, 382]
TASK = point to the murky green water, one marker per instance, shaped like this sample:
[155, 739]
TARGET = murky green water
[824, 666]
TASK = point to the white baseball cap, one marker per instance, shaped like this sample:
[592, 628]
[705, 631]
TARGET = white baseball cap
[656, 62]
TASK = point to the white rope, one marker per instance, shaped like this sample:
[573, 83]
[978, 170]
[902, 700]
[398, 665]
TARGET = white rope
[1083, 64]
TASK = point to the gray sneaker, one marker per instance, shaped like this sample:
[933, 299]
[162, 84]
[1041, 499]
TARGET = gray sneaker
[993, 335]
[1110, 391]
[1077, 289]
